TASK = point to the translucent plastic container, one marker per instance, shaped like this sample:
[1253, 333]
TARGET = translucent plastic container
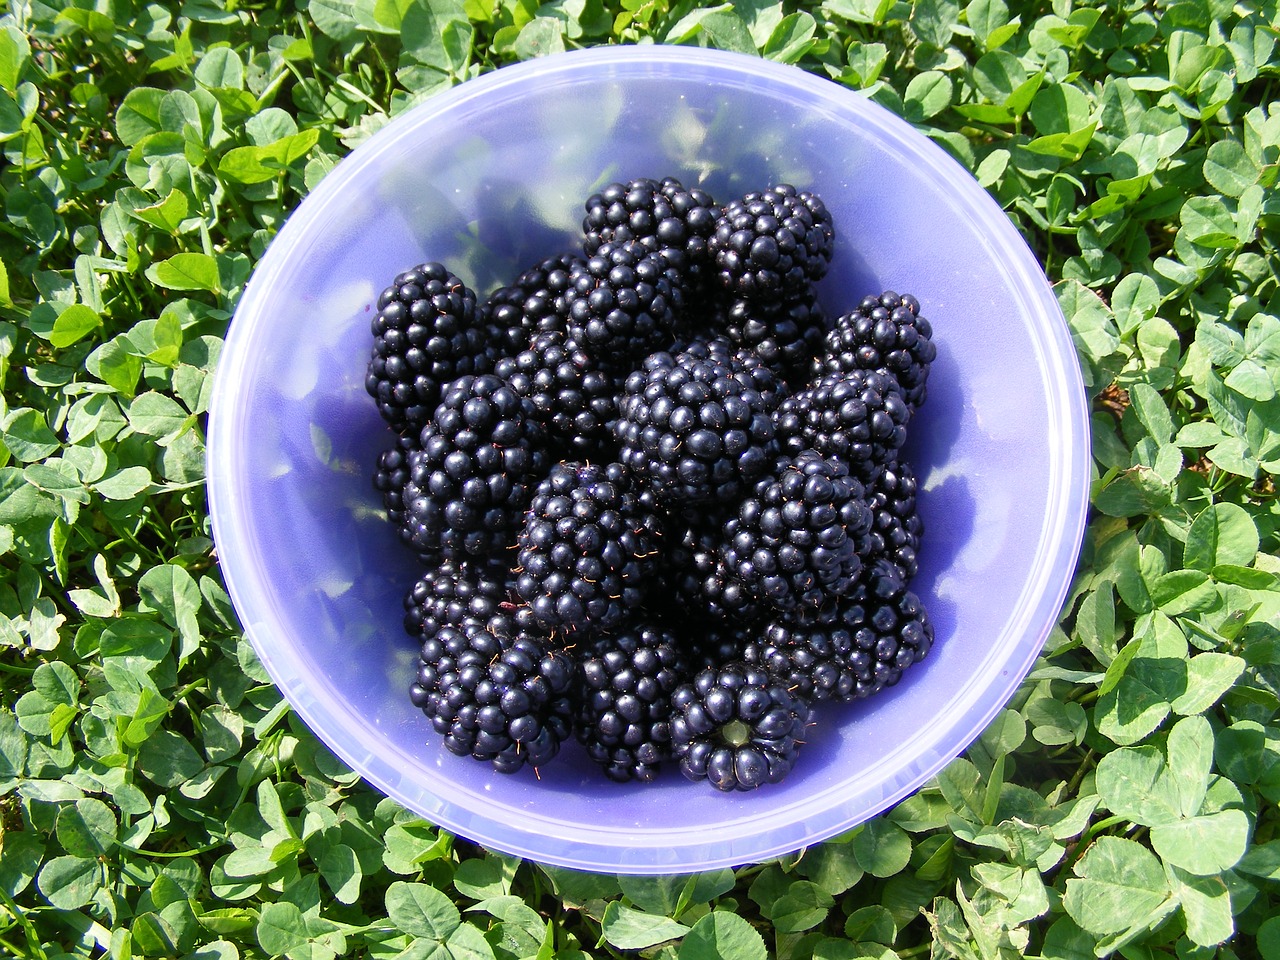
[488, 178]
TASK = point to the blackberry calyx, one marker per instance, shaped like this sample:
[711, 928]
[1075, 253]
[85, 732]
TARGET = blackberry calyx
[737, 726]
[586, 548]
[425, 334]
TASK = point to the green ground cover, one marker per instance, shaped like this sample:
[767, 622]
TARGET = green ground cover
[157, 799]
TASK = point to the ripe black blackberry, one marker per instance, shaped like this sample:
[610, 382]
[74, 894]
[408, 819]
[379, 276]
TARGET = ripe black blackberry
[425, 334]
[786, 335]
[896, 527]
[810, 656]
[697, 429]
[392, 473]
[794, 540]
[694, 580]
[533, 303]
[481, 454]
[572, 395]
[858, 417]
[883, 333]
[622, 303]
[737, 726]
[661, 215]
[454, 594]
[586, 548]
[501, 696]
[624, 709]
[891, 637]
[772, 244]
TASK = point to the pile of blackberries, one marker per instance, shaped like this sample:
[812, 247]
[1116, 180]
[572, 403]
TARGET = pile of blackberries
[656, 495]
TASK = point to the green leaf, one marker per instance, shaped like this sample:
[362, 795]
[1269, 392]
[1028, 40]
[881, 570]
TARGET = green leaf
[186, 271]
[1206, 905]
[125, 484]
[882, 848]
[927, 95]
[1223, 533]
[87, 828]
[68, 883]
[1209, 676]
[1228, 168]
[421, 910]
[802, 907]
[1118, 884]
[1204, 845]
[629, 929]
[73, 323]
[27, 435]
[281, 928]
[722, 936]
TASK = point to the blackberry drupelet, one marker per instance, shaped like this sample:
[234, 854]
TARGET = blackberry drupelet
[858, 417]
[454, 594]
[794, 540]
[624, 709]
[533, 303]
[572, 395]
[883, 333]
[772, 244]
[391, 475]
[481, 454]
[697, 429]
[586, 549]
[501, 696]
[786, 334]
[737, 726]
[896, 527]
[622, 303]
[426, 333]
[661, 215]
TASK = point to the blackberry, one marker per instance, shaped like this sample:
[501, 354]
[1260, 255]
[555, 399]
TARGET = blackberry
[786, 335]
[698, 429]
[811, 657]
[481, 455]
[794, 540]
[498, 696]
[883, 333]
[714, 644]
[891, 636]
[533, 303]
[695, 580]
[572, 395]
[737, 726]
[391, 475]
[624, 712]
[621, 303]
[772, 244]
[858, 417]
[661, 215]
[425, 334]
[454, 594]
[896, 527]
[585, 550]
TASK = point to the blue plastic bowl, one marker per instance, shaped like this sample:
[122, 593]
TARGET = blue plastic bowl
[488, 178]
